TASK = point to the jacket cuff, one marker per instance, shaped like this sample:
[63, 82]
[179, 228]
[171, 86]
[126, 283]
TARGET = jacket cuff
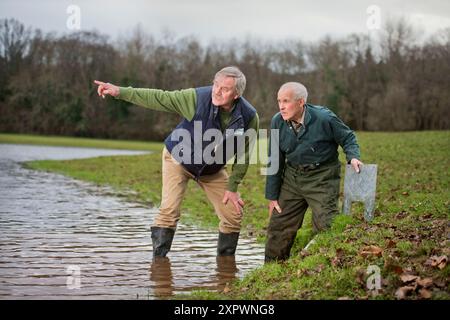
[232, 185]
[272, 196]
[124, 92]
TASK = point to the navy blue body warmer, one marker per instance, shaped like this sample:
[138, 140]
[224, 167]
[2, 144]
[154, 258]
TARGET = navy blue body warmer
[188, 148]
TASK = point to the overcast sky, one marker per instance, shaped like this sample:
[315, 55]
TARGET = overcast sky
[225, 19]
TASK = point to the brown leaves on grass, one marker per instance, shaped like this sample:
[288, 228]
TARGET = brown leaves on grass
[392, 265]
[310, 272]
[304, 253]
[406, 278]
[425, 282]
[371, 251]
[413, 283]
[425, 294]
[402, 292]
[338, 260]
[437, 261]
[401, 215]
[390, 244]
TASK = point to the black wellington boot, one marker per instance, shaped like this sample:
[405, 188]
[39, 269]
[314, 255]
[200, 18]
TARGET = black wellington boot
[226, 246]
[162, 240]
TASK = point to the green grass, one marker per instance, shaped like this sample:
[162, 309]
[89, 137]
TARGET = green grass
[410, 224]
[78, 142]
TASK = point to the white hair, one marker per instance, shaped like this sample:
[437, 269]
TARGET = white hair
[235, 73]
[297, 88]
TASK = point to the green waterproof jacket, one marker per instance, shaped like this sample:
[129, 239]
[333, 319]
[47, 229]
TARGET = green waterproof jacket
[315, 143]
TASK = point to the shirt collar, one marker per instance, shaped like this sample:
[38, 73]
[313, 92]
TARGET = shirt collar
[302, 120]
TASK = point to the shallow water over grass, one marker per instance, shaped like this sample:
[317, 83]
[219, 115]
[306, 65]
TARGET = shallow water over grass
[65, 239]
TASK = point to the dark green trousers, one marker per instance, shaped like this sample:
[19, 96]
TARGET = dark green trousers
[315, 188]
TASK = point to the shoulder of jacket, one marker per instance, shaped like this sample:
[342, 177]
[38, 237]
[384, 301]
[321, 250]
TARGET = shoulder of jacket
[277, 119]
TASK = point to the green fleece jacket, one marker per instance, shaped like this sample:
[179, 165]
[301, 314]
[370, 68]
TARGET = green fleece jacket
[184, 102]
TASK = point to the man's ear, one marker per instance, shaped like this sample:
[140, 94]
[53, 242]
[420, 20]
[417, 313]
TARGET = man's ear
[236, 96]
[302, 102]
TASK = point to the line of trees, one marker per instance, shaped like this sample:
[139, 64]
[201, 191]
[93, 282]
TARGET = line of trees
[390, 83]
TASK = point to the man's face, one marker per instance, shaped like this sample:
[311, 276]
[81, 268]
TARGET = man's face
[224, 91]
[290, 108]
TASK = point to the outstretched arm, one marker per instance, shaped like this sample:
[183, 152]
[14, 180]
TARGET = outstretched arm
[182, 102]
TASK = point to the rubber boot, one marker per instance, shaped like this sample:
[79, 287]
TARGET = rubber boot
[226, 246]
[162, 240]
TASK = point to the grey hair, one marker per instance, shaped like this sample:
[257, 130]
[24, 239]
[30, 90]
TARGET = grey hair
[235, 73]
[298, 89]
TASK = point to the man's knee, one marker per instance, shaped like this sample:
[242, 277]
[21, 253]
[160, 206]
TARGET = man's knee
[230, 225]
[324, 219]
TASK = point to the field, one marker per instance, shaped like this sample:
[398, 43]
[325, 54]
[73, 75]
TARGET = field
[407, 242]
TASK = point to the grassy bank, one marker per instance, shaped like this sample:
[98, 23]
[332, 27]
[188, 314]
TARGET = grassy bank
[407, 240]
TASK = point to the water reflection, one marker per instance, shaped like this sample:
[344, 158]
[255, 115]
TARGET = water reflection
[50, 224]
[226, 271]
[161, 277]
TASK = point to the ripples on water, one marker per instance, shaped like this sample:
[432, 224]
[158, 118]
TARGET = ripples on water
[52, 227]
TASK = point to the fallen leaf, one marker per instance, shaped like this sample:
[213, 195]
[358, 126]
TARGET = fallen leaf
[344, 298]
[371, 250]
[402, 292]
[304, 253]
[425, 282]
[335, 262]
[435, 261]
[391, 244]
[406, 278]
[405, 193]
[441, 262]
[304, 272]
[384, 282]
[414, 237]
[425, 216]
[226, 289]
[319, 268]
[401, 215]
[360, 276]
[339, 252]
[395, 268]
[425, 294]
[440, 284]
[391, 264]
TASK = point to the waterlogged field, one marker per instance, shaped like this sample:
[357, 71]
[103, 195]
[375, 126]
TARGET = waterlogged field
[402, 254]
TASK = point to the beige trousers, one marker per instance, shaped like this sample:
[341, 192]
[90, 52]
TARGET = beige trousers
[175, 179]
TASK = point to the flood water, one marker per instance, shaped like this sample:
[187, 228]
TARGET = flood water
[65, 239]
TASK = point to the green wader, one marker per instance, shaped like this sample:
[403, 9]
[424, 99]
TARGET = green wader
[316, 187]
